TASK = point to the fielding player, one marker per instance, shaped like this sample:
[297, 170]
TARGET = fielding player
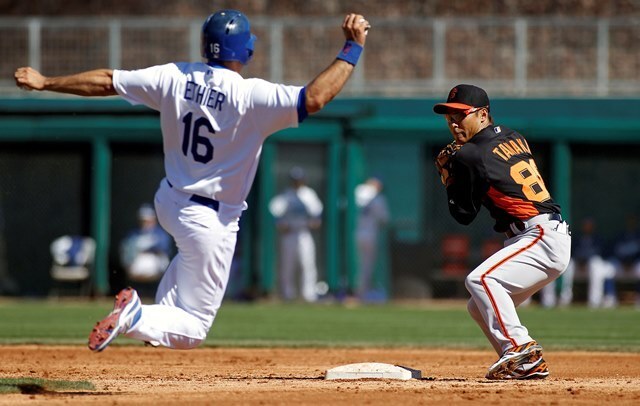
[214, 123]
[491, 165]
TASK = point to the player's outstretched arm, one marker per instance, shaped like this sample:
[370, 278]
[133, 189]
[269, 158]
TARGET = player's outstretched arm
[97, 82]
[330, 82]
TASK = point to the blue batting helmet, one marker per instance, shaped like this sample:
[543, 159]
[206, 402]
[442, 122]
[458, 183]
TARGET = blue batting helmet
[226, 36]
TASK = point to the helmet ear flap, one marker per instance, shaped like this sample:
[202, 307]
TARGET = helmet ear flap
[250, 47]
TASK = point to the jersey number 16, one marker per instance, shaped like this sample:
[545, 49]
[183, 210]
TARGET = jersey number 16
[201, 147]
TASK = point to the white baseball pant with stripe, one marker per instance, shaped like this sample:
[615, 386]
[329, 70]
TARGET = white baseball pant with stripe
[529, 261]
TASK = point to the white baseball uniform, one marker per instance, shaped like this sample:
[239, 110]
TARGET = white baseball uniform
[214, 123]
[373, 213]
[600, 271]
[294, 210]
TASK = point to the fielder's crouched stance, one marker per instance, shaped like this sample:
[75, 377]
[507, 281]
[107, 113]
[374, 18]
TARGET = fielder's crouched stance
[492, 166]
[213, 125]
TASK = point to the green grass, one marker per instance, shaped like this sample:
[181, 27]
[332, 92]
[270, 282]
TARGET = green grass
[38, 385]
[269, 324]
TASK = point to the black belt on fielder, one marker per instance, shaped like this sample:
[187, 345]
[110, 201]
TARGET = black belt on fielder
[519, 226]
[205, 201]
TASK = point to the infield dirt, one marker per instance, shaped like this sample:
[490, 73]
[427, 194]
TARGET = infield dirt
[268, 376]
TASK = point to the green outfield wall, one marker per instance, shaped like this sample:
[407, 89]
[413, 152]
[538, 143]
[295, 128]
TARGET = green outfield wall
[83, 166]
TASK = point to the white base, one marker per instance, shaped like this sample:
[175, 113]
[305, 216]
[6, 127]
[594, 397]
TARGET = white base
[372, 370]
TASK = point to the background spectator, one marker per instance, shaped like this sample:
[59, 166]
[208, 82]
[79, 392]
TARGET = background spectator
[373, 214]
[297, 211]
[7, 285]
[626, 257]
[588, 256]
[145, 252]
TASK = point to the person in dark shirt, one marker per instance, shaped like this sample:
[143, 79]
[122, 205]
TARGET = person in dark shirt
[146, 250]
[626, 260]
[492, 166]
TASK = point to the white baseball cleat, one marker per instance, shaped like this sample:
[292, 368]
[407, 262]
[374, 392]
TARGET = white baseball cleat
[126, 313]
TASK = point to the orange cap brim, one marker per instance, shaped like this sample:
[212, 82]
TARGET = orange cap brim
[443, 108]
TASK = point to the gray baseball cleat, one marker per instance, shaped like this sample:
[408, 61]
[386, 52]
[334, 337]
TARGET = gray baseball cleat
[522, 362]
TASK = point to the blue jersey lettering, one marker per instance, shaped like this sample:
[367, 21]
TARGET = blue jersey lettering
[188, 90]
[219, 100]
[203, 95]
[200, 91]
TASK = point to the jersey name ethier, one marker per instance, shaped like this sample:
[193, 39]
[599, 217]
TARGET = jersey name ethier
[203, 95]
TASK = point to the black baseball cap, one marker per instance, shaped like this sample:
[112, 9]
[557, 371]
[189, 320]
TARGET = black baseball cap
[463, 97]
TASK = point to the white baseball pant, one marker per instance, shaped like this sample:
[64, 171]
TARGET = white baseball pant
[367, 253]
[528, 261]
[298, 250]
[599, 271]
[191, 290]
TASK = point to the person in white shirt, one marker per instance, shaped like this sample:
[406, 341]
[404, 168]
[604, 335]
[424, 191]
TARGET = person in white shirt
[297, 211]
[373, 214]
[214, 123]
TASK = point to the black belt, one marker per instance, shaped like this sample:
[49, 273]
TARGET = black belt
[523, 225]
[205, 201]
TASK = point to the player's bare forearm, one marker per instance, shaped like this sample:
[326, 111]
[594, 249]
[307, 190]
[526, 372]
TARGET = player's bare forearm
[97, 82]
[327, 85]
[330, 82]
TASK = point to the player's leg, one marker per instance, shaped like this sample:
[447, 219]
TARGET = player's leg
[288, 263]
[597, 271]
[165, 323]
[548, 296]
[610, 298]
[513, 274]
[526, 264]
[473, 310]
[193, 286]
[518, 361]
[367, 255]
[309, 277]
[491, 286]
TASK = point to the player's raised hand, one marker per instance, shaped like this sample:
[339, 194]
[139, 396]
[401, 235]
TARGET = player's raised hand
[355, 28]
[28, 78]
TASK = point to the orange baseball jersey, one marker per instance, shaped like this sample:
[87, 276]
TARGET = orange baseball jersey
[496, 169]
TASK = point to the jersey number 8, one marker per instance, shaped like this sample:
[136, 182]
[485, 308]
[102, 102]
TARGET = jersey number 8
[526, 175]
[201, 147]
